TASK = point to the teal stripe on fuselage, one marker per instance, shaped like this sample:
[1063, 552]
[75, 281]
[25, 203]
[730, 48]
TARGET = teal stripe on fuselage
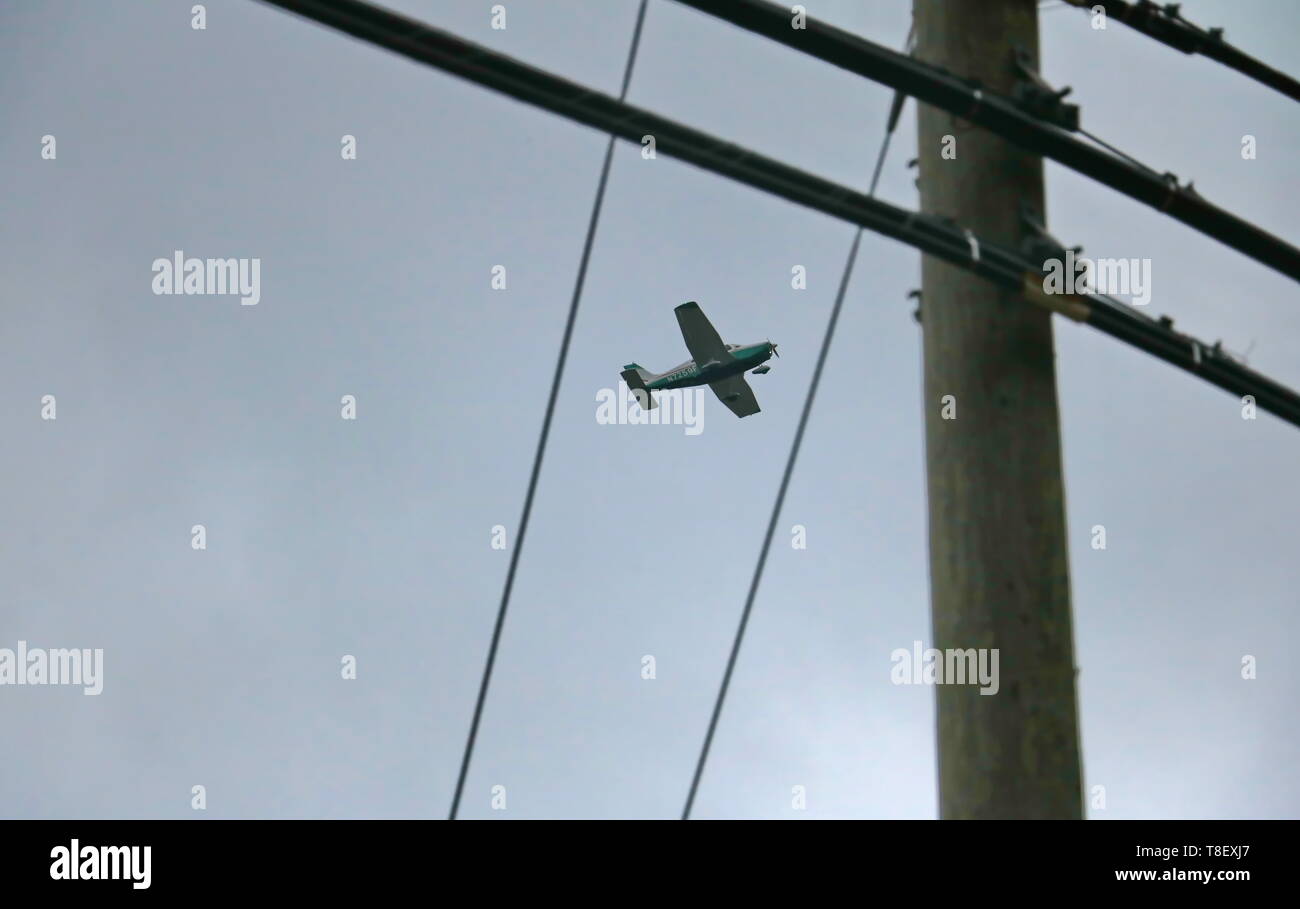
[688, 374]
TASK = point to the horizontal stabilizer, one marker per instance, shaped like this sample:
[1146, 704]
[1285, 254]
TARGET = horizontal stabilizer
[636, 385]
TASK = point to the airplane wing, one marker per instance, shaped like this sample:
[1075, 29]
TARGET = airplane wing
[735, 392]
[701, 338]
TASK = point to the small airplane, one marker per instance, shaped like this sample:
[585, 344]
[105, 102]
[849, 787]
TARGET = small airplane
[720, 366]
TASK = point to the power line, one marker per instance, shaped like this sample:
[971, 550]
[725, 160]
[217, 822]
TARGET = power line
[546, 430]
[892, 122]
[1115, 151]
[502, 73]
[1166, 25]
[936, 236]
[771, 528]
[1009, 119]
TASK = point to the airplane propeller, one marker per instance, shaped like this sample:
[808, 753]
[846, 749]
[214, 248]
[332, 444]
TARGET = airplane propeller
[774, 350]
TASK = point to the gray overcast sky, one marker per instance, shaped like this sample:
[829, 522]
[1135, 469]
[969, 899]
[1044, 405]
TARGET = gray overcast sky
[329, 537]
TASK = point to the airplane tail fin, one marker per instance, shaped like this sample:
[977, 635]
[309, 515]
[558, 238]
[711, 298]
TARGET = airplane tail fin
[635, 377]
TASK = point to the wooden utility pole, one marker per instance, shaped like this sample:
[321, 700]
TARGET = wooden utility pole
[999, 571]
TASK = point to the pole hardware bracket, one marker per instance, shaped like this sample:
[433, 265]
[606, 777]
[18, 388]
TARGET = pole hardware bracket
[1035, 96]
[1166, 23]
[1038, 245]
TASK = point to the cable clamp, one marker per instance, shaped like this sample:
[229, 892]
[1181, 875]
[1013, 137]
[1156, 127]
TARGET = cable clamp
[1038, 245]
[1175, 189]
[1035, 96]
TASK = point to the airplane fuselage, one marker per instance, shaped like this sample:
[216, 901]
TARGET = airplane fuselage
[720, 366]
[745, 357]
